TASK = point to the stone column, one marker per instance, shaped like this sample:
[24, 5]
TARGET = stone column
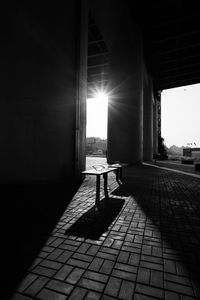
[81, 90]
[125, 108]
[148, 121]
[155, 127]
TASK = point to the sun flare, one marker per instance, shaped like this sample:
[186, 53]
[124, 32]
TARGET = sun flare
[97, 115]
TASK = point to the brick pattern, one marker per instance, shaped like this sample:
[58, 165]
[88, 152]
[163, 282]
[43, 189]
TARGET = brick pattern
[150, 250]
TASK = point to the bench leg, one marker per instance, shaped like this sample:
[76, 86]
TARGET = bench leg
[105, 177]
[97, 191]
[119, 175]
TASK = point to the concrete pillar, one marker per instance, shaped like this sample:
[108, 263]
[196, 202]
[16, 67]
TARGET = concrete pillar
[125, 108]
[80, 149]
[155, 127]
[148, 121]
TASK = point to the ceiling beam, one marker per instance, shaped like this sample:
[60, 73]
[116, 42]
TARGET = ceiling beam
[195, 56]
[175, 49]
[97, 66]
[178, 19]
[95, 42]
[177, 36]
[181, 67]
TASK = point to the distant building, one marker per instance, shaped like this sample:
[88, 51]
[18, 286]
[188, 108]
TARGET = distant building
[192, 152]
[96, 146]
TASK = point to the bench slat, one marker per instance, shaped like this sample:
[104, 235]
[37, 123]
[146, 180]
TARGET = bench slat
[98, 172]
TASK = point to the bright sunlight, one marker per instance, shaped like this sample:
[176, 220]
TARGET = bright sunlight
[97, 112]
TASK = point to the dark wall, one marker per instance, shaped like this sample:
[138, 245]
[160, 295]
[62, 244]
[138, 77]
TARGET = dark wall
[38, 94]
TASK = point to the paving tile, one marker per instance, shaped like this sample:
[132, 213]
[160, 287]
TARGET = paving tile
[171, 296]
[113, 286]
[179, 288]
[126, 290]
[149, 291]
[109, 250]
[44, 271]
[177, 279]
[82, 257]
[96, 264]
[57, 242]
[107, 267]
[50, 295]
[91, 284]
[142, 297]
[108, 242]
[26, 282]
[152, 259]
[92, 296]
[96, 276]
[143, 276]
[170, 266]
[106, 297]
[60, 286]
[78, 294]
[106, 256]
[146, 249]
[36, 286]
[157, 251]
[78, 263]
[182, 297]
[75, 275]
[93, 250]
[18, 296]
[152, 266]
[63, 272]
[51, 264]
[63, 258]
[36, 262]
[48, 249]
[131, 249]
[123, 257]
[125, 267]
[124, 275]
[117, 244]
[156, 279]
[134, 259]
[56, 253]
[83, 248]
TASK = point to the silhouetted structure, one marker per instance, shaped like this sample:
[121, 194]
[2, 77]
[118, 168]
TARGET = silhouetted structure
[55, 56]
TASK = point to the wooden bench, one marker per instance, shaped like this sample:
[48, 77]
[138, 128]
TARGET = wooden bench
[104, 170]
[98, 174]
[119, 173]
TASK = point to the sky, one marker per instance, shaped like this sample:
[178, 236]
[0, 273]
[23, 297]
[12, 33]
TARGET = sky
[180, 116]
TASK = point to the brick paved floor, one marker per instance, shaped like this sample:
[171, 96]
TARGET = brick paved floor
[144, 243]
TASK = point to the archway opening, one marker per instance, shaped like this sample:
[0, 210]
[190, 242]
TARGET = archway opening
[180, 109]
[96, 129]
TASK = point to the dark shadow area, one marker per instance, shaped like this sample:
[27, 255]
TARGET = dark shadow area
[172, 202]
[29, 213]
[94, 223]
